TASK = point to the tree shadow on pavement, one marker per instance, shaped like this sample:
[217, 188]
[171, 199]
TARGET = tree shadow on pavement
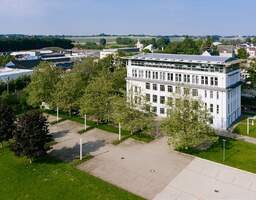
[69, 154]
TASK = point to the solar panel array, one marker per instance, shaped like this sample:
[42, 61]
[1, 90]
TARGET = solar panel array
[183, 58]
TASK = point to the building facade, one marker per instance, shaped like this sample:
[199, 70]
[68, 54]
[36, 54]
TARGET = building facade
[214, 80]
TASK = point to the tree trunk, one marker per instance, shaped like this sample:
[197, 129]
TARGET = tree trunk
[30, 161]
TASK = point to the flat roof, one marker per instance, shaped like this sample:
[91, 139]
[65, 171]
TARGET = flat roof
[10, 71]
[183, 58]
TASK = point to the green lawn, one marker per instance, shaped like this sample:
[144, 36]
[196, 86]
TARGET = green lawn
[239, 154]
[241, 128]
[51, 179]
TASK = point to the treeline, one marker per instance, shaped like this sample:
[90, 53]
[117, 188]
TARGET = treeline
[27, 43]
[190, 46]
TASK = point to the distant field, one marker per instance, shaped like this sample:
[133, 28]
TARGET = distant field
[110, 39]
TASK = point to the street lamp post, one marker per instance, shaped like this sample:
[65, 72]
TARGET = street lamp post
[224, 149]
[119, 132]
[57, 114]
[85, 123]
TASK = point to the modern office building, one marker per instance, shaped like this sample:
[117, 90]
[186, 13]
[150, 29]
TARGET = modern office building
[215, 80]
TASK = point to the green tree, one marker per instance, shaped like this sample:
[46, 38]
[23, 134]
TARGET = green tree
[96, 100]
[132, 117]
[42, 85]
[242, 53]
[187, 46]
[31, 135]
[103, 42]
[187, 124]
[252, 75]
[162, 42]
[5, 59]
[7, 122]
[68, 91]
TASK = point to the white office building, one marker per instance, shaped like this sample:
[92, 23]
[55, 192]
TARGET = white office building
[215, 80]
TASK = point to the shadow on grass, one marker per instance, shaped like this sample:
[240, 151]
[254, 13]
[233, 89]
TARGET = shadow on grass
[215, 148]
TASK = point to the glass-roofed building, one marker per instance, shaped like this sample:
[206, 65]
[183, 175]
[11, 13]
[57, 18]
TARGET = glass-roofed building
[215, 80]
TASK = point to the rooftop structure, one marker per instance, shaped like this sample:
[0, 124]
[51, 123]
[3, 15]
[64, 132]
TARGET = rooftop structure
[183, 58]
[10, 74]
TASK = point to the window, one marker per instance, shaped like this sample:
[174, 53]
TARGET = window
[162, 76]
[217, 95]
[170, 77]
[188, 80]
[194, 92]
[202, 80]
[179, 77]
[205, 106]
[154, 109]
[211, 108]
[156, 75]
[154, 98]
[135, 89]
[212, 81]
[186, 91]
[216, 81]
[185, 78]
[176, 77]
[170, 88]
[162, 99]
[211, 120]
[211, 94]
[205, 93]
[148, 97]
[162, 88]
[148, 86]
[162, 110]
[206, 80]
[218, 109]
[154, 86]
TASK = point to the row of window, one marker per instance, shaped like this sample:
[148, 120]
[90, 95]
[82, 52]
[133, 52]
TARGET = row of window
[211, 109]
[182, 66]
[187, 91]
[175, 77]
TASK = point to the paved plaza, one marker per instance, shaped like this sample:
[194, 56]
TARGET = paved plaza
[151, 170]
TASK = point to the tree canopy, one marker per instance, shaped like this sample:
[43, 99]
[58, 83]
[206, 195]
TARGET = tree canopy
[242, 53]
[96, 100]
[7, 122]
[43, 84]
[187, 124]
[31, 135]
[68, 91]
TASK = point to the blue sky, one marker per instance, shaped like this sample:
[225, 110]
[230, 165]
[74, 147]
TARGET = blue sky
[196, 17]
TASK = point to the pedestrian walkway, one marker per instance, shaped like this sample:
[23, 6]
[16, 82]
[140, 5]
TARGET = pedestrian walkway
[236, 136]
[207, 180]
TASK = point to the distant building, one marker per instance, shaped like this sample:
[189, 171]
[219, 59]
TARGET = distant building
[139, 45]
[226, 50]
[10, 74]
[107, 52]
[215, 80]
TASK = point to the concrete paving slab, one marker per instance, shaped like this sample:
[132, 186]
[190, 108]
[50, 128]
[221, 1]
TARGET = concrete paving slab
[144, 170]
[193, 184]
